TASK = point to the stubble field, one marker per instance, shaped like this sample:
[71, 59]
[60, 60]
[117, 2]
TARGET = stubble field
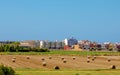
[28, 64]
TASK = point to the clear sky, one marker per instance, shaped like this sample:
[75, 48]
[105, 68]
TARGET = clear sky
[95, 20]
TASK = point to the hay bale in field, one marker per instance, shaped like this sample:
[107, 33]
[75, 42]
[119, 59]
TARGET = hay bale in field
[42, 59]
[28, 57]
[50, 57]
[93, 59]
[88, 57]
[113, 67]
[74, 58]
[44, 63]
[109, 60]
[56, 67]
[62, 58]
[64, 61]
[88, 60]
[13, 60]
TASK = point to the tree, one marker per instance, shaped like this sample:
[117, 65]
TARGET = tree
[1, 48]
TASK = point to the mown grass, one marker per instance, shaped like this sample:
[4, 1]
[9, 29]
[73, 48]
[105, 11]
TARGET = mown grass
[86, 72]
[63, 52]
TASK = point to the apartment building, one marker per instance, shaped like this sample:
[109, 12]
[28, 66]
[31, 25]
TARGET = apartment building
[29, 43]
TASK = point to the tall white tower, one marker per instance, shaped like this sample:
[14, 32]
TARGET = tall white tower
[41, 44]
[66, 41]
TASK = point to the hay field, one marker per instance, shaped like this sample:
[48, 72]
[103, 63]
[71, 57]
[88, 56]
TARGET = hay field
[80, 62]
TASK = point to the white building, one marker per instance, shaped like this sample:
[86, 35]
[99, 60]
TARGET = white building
[66, 41]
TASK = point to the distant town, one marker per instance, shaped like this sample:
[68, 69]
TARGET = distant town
[68, 44]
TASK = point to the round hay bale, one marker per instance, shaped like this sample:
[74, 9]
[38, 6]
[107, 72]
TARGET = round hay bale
[88, 60]
[13, 60]
[50, 57]
[56, 67]
[109, 60]
[62, 58]
[42, 59]
[74, 58]
[93, 59]
[64, 61]
[28, 57]
[44, 63]
[88, 57]
[113, 67]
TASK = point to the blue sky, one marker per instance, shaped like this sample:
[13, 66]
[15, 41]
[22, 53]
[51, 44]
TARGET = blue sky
[95, 20]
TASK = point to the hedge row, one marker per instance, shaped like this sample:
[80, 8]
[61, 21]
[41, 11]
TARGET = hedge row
[16, 48]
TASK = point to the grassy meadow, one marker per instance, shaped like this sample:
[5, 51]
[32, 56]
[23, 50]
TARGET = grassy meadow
[85, 72]
[63, 52]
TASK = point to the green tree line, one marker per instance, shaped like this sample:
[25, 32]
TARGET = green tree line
[17, 48]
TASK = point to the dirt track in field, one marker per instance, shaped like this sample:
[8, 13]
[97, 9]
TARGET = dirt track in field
[80, 62]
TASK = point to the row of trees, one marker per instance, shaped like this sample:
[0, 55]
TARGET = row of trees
[17, 48]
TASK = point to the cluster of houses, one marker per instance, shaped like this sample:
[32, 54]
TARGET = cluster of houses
[43, 44]
[72, 44]
[68, 44]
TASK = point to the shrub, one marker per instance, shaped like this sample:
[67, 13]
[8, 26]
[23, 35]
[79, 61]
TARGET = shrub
[105, 54]
[1, 72]
[6, 70]
[40, 50]
[17, 48]
[24, 50]
[110, 49]
[44, 50]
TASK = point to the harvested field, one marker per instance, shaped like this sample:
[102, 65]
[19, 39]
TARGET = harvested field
[79, 63]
